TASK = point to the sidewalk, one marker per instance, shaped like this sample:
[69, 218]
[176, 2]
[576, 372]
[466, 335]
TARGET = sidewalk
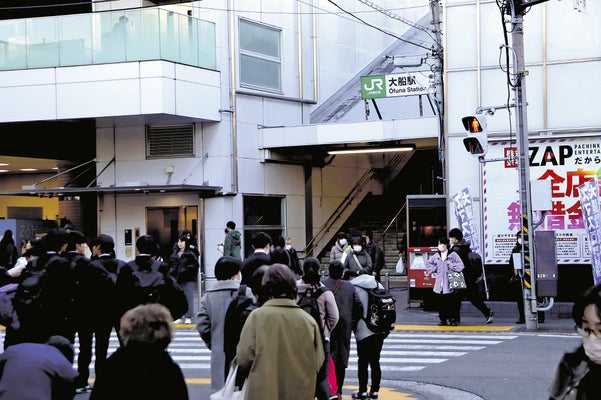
[557, 319]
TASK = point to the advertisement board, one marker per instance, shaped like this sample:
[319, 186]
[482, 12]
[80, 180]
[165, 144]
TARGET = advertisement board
[567, 163]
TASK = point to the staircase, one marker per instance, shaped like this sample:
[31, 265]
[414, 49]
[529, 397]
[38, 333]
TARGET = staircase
[385, 214]
[364, 219]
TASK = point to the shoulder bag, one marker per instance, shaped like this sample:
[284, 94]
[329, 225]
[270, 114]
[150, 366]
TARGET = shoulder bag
[456, 280]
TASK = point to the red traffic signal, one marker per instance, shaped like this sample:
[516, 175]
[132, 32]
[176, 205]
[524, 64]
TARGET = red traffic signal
[476, 142]
[472, 124]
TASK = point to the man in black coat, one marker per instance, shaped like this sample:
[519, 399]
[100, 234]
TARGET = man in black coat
[462, 248]
[95, 307]
[349, 312]
[261, 242]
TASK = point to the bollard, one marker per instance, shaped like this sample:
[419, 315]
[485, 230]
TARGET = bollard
[387, 281]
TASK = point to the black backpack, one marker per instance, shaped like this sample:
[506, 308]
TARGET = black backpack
[147, 283]
[29, 297]
[233, 322]
[152, 286]
[308, 302]
[381, 310]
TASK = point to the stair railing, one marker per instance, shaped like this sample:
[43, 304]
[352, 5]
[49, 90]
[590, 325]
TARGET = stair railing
[347, 201]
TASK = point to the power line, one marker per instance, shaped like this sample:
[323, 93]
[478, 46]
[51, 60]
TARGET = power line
[378, 28]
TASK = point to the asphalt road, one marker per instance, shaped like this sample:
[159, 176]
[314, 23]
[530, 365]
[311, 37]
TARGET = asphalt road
[477, 362]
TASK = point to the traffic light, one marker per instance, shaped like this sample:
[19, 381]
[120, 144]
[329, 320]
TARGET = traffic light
[476, 142]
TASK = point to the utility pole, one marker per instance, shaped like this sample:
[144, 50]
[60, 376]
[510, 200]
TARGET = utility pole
[519, 86]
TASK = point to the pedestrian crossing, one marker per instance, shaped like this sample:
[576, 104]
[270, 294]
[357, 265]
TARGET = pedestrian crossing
[402, 352]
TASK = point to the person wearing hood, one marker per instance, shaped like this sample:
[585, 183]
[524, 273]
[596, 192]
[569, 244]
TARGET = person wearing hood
[369, 343]
[449, 302]
[359, 259]
[232, 243]
[578, 373]
[462, 248]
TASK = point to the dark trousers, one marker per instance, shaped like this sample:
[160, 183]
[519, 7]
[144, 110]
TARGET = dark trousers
[338, 352]
[449, 306]
[86, 334]
[368, 352]
[519, 299]
[473, 296]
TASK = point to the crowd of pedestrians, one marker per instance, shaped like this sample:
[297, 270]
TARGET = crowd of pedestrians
[278, 319]
[61, 293]
[89, 297]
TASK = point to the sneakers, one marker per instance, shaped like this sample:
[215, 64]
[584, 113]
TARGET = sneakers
[490, 317]
[360, 395]
[373, 395]
[83, 389]
[178, 321]
[188, 321]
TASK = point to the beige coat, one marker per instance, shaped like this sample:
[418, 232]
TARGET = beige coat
[281, 345]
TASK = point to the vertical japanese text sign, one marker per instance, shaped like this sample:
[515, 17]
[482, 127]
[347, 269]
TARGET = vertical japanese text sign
[464, 213]
[589, 202]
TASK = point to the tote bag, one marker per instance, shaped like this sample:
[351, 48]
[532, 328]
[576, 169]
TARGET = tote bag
[229, 392]
[456, 280]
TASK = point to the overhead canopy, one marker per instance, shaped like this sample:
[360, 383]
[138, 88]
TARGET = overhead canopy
[39, 191]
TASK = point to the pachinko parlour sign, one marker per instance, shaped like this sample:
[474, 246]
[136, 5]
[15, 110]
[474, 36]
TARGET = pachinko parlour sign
[568, 164]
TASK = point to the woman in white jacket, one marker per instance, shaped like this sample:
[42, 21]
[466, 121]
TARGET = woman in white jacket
[440, 263]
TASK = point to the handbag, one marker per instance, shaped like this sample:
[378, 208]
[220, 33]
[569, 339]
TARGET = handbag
[332, 376]
[228, 391]
[456, 280]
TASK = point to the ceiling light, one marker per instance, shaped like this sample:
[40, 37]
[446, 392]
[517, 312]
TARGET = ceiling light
[364, 150]
[28, 169]
[3, 170]
[3, 164]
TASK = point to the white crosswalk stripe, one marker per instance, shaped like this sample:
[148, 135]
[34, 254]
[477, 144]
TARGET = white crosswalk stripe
[402, 351]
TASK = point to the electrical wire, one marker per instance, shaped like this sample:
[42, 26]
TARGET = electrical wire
[377, 28]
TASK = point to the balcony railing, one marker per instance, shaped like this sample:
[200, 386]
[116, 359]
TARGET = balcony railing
[107, 37]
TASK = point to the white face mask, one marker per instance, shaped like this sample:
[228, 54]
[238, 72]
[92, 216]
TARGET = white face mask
[592, 344]
[441, 248]
[519, 241]
[342, 242]
[357, 248]
[288, 247]
[592, 348]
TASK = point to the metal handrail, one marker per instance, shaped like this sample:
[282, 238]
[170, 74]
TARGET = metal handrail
[347, 201]
[357, 188]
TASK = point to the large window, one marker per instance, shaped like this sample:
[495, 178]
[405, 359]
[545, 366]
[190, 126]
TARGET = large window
[262, 214]
[260, 56]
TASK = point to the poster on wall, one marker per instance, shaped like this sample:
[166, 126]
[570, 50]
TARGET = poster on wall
[567, 163]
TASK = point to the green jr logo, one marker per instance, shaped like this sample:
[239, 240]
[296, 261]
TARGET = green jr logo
[373, 87]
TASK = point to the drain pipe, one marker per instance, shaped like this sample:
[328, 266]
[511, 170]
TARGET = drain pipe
[233, 117]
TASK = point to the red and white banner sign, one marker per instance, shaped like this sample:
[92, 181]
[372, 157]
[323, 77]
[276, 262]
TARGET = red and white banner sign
[567, 163]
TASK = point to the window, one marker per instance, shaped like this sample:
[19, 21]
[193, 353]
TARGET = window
[260, 56]
[169, 141]
[262, 214]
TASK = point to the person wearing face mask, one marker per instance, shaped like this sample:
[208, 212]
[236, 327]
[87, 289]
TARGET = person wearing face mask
[359, 260]
[211, 314]
[578, 373]
[339, 247]
[449, 302]
[518, 282]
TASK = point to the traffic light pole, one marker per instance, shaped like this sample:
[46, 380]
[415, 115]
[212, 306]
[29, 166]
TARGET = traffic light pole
[523, 166]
